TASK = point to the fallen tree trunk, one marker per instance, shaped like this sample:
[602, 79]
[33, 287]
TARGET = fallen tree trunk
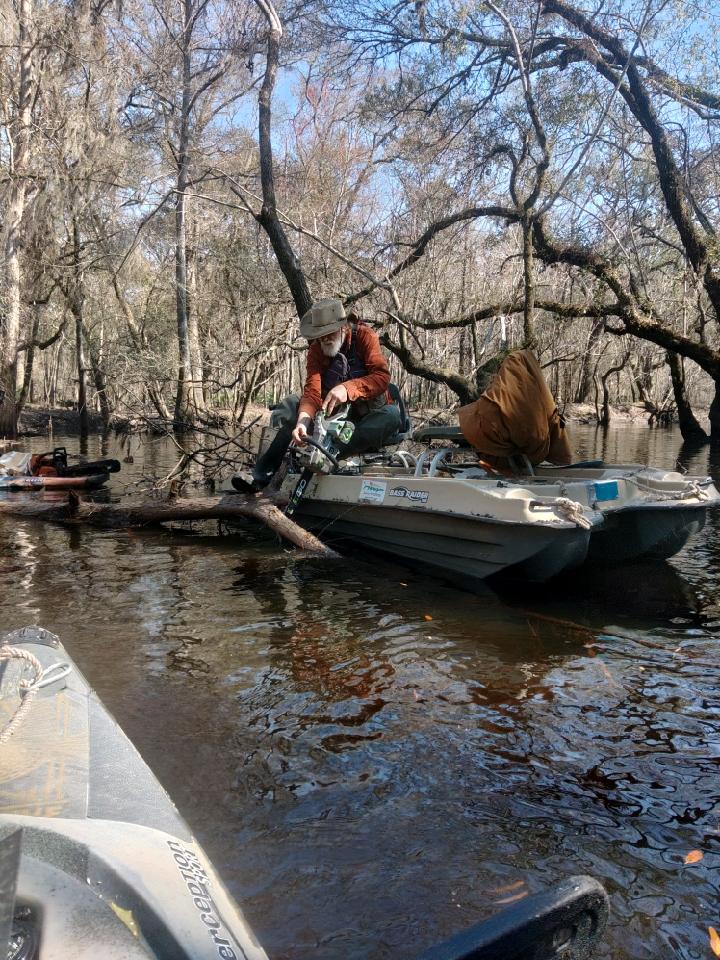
[149, 512]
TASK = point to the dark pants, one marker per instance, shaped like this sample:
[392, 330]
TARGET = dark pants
[372, 432]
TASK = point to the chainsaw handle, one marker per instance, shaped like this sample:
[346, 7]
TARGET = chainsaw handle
[313, 443]
[340, 413]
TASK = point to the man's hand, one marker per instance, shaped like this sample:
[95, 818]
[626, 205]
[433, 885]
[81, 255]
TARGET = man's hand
[299, 434]
[335, 398]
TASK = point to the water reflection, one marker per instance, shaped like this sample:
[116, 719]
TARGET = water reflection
[690, 453]
[641, 594]
[369, 780]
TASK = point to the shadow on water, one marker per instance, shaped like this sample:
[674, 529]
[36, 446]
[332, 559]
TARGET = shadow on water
[374, 760]
[641, 595]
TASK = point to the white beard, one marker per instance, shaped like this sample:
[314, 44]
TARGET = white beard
[331, 348]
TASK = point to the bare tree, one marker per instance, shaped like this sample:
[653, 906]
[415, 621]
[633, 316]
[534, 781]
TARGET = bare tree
[18, 127]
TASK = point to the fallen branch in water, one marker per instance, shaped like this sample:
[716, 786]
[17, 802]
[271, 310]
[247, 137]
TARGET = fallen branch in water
[149, 512]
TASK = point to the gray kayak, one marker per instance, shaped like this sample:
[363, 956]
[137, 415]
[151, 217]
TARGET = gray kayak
[95, 860]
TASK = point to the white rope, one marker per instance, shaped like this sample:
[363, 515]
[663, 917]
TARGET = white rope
[29, 687]
[567, 509]
[691, 490]
[695, 491]
[572, 510]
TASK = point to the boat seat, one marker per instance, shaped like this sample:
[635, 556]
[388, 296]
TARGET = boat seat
[405, 430]
[452, 434]
[434, 431]
[523, 466]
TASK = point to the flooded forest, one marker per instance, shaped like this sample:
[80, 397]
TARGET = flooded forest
[183, 179]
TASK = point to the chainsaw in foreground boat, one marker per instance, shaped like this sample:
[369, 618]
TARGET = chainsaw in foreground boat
[449, 513]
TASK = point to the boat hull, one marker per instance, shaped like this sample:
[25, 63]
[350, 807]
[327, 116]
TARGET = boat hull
[453, 547]
[469, 527]
[108, 865]
[649, 514]
[645, 533]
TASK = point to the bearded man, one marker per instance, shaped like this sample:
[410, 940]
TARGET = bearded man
[344, 365]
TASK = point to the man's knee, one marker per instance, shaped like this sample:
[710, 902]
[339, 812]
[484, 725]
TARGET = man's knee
[388, 422]
[285, 413]
[394, 422]
[376, 429]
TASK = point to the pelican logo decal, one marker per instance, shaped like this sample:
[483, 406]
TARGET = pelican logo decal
[414, 496]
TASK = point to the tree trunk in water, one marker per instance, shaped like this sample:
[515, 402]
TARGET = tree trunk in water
[151, 512]
[13, 224]
[26, 392]
[99, 379]
[77, 305]
[689, 427]
[586, 377]
[715, 415]
[29, 362]
[196, 359]
[605, 415]
[183, 397]
[80, 364]
[9, 359]
[184, 413]
[54, 375]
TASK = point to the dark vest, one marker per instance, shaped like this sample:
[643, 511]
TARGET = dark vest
[345, 365]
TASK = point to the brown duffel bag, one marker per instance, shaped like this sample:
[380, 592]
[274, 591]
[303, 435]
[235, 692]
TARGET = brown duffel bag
[517, 415]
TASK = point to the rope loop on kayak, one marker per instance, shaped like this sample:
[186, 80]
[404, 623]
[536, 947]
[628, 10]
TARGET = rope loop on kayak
[29, 687]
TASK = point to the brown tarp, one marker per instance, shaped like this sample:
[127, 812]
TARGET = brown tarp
[517, 415]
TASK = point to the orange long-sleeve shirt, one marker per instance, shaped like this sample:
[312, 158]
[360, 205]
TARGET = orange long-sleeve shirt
[373, 384]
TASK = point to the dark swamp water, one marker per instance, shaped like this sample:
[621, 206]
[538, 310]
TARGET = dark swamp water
[368, 781]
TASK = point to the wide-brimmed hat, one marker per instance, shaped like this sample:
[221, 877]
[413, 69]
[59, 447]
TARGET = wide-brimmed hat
[324, 316]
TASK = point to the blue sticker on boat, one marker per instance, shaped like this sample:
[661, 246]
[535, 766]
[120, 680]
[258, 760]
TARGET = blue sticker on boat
[606, 490]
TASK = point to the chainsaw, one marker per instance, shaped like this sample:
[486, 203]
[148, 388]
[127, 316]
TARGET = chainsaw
[320, 451]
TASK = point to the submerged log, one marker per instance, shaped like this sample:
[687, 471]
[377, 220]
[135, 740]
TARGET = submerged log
[151, 512]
